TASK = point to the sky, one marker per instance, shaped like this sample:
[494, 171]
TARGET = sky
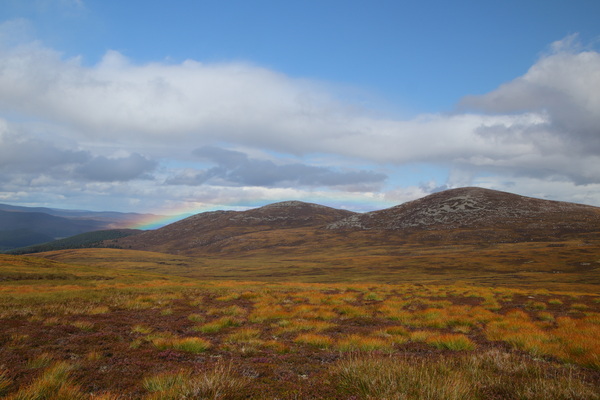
[185, 106]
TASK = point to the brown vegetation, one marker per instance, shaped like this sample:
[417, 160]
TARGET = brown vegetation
[290, 340]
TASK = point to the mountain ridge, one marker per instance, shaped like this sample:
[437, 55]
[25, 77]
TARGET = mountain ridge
[471, 207]
[456, 215]
[27, 226]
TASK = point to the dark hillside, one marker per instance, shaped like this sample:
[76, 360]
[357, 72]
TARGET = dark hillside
[205, 229]
[83, 240]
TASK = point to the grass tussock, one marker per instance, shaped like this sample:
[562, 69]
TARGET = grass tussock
[83, 325]
[5, 381]
[456, 342]
[41, 361]
[312, 339]
[219, 382]
[54, 383]
[479, 376]
[218, 325]
[363, 343]
[188, 344]
[299, 325]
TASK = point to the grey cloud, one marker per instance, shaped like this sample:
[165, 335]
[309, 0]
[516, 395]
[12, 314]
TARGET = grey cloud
[104, 169]
[236, 168]
[19, 155]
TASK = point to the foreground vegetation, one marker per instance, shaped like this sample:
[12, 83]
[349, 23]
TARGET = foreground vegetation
[73, 332]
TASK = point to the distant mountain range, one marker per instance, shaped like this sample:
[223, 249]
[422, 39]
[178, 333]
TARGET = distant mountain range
[26, 226]
[464, 215]
[468, 234]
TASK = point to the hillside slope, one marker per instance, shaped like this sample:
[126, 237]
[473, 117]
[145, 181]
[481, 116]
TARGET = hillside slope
[471, 235]
[488, 214]
[83, 240]
[27, 226]
[209, 230]
[465, 215]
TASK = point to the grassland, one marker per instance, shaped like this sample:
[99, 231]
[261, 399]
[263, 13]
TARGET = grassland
[109, 331]
[304, 255]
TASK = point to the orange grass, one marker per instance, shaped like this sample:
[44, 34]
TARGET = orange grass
[312, 339]
[451, 342]
[362, 343]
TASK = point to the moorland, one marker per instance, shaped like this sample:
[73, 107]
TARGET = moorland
[467, 294]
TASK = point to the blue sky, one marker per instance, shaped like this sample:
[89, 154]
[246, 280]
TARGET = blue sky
[162, 107]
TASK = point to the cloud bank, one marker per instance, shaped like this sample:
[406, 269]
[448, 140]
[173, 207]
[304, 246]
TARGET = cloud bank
[132, 130]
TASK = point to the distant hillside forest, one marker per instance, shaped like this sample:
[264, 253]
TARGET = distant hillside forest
[84, 240]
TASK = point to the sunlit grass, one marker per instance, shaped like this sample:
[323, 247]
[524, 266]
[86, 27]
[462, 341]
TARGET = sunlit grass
[41, 361]
[297, 325]
[218, 325]
[219, 382]
[5, 381]
[84, 325]
[279, 324]
[477, 376]
[320, 341]
[54, 383]
[455, 342]
[187, 344]
[142, 329]
[362, 343]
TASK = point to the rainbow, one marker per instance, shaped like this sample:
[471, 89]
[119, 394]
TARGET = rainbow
[151, 221]
[155, 221]
[353, 203]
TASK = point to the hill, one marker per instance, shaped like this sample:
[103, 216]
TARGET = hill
[492, 214]
[83, 240]
[465, 215]
[27, 226]
[213, 231]
[310, 243]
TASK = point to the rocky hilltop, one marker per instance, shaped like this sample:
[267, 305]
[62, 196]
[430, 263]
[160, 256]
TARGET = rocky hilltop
[473, 208]
[465, 215]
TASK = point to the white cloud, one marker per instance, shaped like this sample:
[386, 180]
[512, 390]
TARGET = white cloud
[117, 120]
[565, 85]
